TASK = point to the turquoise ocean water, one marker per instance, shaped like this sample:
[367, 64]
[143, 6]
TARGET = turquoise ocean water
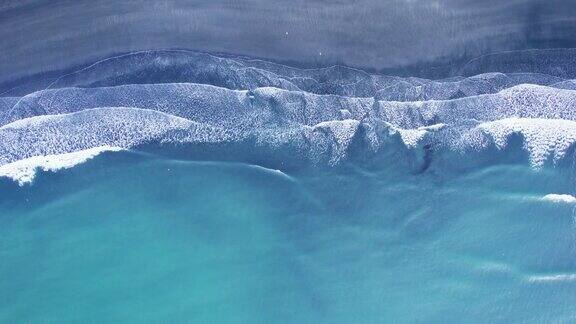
[132, 237]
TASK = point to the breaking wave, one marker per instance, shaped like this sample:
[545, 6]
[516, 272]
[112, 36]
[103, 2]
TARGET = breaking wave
[203, 106]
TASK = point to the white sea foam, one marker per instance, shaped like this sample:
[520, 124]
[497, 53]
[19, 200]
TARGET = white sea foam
[342, 132]
[24, 171]
[317, 113]
[411, 137]
[116, 126]
[542, 137]
[275, 116]
[242, 73]
[560, 198]
[553, 278]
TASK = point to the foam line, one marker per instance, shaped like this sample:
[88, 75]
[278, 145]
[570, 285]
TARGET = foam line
[560, 198]
[24, 171]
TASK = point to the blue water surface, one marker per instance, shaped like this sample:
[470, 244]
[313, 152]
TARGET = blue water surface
[134, 238]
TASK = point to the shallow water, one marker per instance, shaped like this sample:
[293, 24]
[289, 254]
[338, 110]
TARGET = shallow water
[131, 237]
